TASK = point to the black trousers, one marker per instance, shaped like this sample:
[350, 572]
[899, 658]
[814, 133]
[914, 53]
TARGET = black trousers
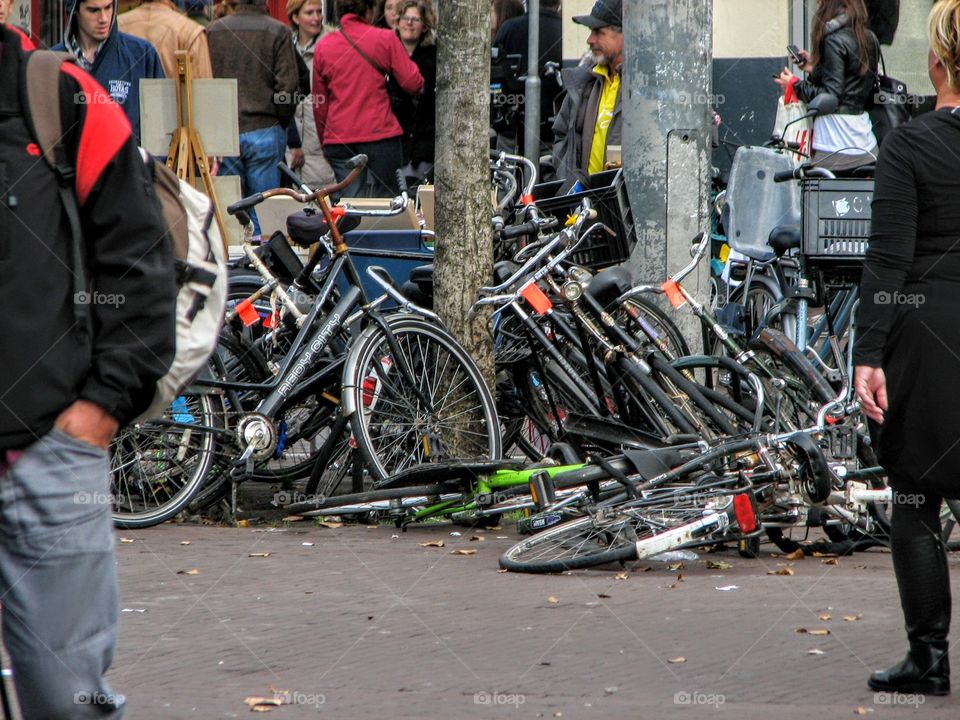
[384, 158]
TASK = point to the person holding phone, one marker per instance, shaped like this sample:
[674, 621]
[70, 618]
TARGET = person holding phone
[844, 64]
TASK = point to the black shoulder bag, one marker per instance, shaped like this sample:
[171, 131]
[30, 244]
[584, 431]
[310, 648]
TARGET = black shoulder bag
[889, 104]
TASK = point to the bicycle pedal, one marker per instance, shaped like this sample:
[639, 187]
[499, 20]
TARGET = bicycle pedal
[542, 490]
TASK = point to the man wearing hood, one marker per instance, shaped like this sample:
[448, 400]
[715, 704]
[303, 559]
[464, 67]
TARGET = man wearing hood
[115, 59]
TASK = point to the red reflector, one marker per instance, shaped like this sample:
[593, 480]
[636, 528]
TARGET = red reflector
[746, 517]
[248, 313]
[369, 390]
[527, 200]
[537, 298]
[271, 321]
[673, 293]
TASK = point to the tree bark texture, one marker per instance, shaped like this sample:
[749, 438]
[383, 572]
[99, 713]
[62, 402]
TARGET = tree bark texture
[464, 251]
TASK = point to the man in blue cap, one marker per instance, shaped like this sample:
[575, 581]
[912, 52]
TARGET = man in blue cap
[590, 118]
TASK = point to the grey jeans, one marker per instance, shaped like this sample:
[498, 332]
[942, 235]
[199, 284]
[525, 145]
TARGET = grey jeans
[58, 579]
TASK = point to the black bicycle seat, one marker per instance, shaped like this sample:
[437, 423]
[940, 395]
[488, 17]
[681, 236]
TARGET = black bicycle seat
[307, 227]
[783, 238]
[608, 285]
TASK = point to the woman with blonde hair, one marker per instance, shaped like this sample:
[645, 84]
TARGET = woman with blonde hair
[306, 19]
[907, 355]
[416, 28]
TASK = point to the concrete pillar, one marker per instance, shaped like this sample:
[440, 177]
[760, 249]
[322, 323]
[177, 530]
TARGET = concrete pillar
[666, 143]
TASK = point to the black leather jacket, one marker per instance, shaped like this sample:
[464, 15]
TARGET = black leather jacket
[838, 72]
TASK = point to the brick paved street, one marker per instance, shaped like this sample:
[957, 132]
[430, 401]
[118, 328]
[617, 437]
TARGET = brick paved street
[357, 623]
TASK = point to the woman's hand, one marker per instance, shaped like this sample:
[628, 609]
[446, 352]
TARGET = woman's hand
[785, 78]
[871, 386]
[807, 66]
[297, 158]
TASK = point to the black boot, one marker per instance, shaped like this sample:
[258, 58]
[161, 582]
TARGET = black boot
[921, 569]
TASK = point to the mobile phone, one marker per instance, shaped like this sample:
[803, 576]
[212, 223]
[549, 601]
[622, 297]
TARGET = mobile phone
[795, 55]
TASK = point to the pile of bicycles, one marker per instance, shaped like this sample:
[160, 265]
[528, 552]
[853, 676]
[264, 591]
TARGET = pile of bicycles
[604, 435]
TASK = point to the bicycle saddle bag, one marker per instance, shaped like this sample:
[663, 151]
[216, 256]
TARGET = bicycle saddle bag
[305, 227]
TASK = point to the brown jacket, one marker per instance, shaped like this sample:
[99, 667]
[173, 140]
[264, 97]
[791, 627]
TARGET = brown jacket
[252, 47]
[168, 30]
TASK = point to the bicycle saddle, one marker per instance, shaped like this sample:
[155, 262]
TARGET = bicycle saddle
[422, 275]
[305, 227]
[783, 238]
[610, 284]
[503, 270]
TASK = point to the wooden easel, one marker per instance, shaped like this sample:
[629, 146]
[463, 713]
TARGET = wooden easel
[186, 156]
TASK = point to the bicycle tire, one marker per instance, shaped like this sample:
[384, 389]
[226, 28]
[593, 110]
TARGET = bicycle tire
[619, 535]
[149, 459]
[392, 428]
[661, 322]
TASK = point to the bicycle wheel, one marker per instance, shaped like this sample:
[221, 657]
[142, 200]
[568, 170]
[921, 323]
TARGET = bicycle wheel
[613, 535]
[645, 320]
[441, 411]
[158, 466]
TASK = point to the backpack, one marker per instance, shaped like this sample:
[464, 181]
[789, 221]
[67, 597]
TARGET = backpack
[199, 255]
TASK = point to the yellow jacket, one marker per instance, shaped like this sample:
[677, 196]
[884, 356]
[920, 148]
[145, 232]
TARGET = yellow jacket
[168, 30]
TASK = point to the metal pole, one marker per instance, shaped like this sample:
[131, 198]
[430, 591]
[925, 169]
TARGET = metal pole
[531, 115]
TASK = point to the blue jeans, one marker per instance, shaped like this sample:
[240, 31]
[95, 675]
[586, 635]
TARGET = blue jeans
[260, 151]
[58, 578]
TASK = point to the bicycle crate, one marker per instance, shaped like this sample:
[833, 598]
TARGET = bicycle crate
[608, 194]
[836, 220]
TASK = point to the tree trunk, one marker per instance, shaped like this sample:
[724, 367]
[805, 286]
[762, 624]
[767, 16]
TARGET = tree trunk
[464, 251]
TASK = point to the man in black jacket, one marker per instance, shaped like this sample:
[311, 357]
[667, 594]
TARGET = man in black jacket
[590, 119]
[77, 364]
[513, 38]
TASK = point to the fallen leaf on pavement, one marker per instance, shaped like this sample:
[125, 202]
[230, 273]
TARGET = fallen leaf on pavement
[815, 631]
[264, 554]
[795, 555]
[477, 538]
[718, 565]
[501, 571]
[829, 561]
[463, 552]
[330, 525]
[621, 576]
[431, 543]
[815, 651]
[191, 571]
[677, 660]
[184, 542]
[294, 518]
[127, 540]
[825, 616]
[243, 523]
[852, 618]
[817, 553]
[781, 571]
[552, 600]
[862, 711]
[675, 566]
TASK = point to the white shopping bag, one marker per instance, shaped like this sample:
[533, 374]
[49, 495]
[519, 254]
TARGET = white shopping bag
[800, 132]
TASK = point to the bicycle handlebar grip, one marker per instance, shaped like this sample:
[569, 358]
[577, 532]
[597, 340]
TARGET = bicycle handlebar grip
[245, 203]
[357, 161]
[785, 175]
[515, 231]
[402, 182]
[291, 175]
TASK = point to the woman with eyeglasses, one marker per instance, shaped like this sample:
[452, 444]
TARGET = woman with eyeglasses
[416, 27]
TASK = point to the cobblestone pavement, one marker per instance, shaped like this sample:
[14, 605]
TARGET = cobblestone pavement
[360, 622]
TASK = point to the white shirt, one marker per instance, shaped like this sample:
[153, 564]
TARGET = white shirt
[844, 134]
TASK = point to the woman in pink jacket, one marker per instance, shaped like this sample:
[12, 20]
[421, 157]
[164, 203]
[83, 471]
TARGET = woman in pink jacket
[350, 99]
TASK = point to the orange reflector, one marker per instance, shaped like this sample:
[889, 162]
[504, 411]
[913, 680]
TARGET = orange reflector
[673, 293]
[527, 200]
[271, 321]
[537, 298]
[746, 517]
[248, 313]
